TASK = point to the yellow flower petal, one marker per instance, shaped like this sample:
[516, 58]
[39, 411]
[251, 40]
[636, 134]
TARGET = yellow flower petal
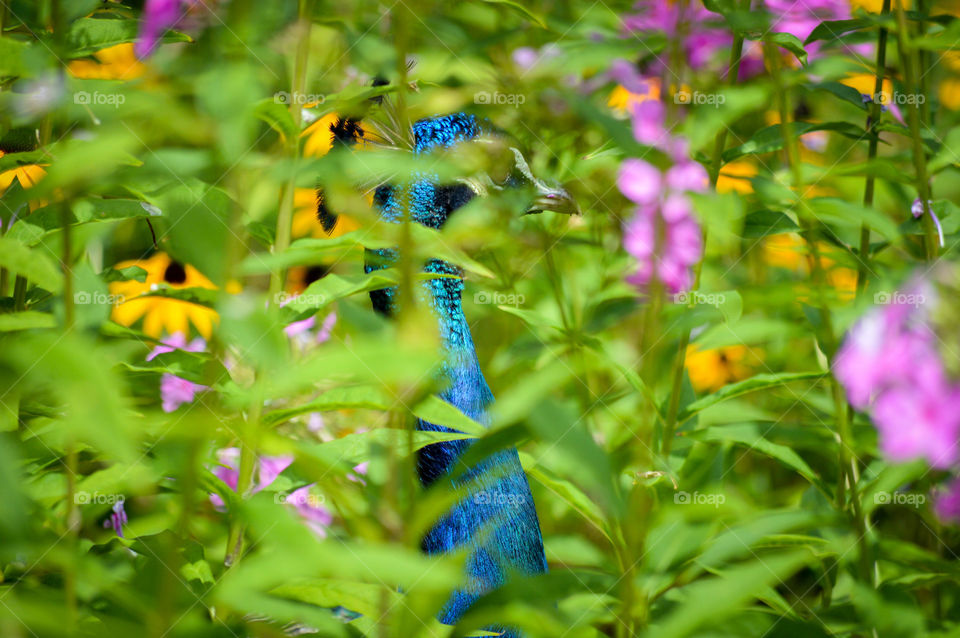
[949, 94]
[735, 177]
[319, 137]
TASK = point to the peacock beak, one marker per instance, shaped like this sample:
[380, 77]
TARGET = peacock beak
[550, 197]
[553, 199]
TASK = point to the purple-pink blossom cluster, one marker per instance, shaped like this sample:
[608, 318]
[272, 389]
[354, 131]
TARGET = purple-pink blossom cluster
[174, 390]
[890, 366]
[663, 234]
[703, 37]
[308, 505]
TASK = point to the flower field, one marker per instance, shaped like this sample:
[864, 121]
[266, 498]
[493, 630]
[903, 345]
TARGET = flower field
[547, 319]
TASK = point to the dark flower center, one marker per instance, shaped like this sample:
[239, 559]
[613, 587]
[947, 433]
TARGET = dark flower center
[175, 273]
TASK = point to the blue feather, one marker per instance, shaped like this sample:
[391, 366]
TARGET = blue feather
[497, 520]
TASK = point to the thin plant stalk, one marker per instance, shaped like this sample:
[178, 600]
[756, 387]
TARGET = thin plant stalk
[872, 120]
[673, 407]
[298, 88]
[248, 446]
[847, 490]
[908, 57]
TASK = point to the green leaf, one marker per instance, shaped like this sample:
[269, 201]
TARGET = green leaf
[30, 263]
[761, 223]
[753, 384]
[88, 35]
[789, 42]
[12, 54]
[832, 29]
[28, 320]
[710, 600]
[770, 138]
[519, 8]
[278, 117]
[842, 91]
[748, 434]
[326, 290]
[840, 212]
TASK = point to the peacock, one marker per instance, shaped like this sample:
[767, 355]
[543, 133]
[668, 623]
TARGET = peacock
[496, 521]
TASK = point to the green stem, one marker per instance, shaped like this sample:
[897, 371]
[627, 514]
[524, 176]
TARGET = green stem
[249, 441]
[68, 300]
[910, 74]
[298, 89]
[19, 294]
[872, 120]
[716, 162]
[847, 479]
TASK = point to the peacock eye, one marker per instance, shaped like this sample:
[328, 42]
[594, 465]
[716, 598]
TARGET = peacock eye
[175, 273]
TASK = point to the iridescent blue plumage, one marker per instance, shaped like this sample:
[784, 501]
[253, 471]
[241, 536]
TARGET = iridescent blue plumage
[497, 520]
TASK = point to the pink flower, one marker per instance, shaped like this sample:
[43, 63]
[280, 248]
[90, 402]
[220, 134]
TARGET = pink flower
[298, 328]
[662, 201]
[640, 181]
[919, 423]
[117, 519]
[158, 16]
[309, 506]
[889, 365]
[177, 341]
[704, 36]
[175, 391]
[648, 122]
[681, 248]
[311, 510]
[326, 328]
[300, 332]
[947, 503]
[688, 176]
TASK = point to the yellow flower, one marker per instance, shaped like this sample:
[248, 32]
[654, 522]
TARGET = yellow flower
[162, 315]
[950, 93]
[735, 177]
[785, 250]
[319, 137]
[622, 100]
[305, 222]
[28, 175]
[864, 83]
[113, 63]
[319, 141]
[789, 251]
[710, 370]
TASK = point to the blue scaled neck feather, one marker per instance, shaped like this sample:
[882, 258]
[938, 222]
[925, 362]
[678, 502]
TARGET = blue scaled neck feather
[496, 521]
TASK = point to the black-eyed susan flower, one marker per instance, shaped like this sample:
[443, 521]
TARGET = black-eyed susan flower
[162, 315]
[710, 370]
[27, 175]
[113, 63]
